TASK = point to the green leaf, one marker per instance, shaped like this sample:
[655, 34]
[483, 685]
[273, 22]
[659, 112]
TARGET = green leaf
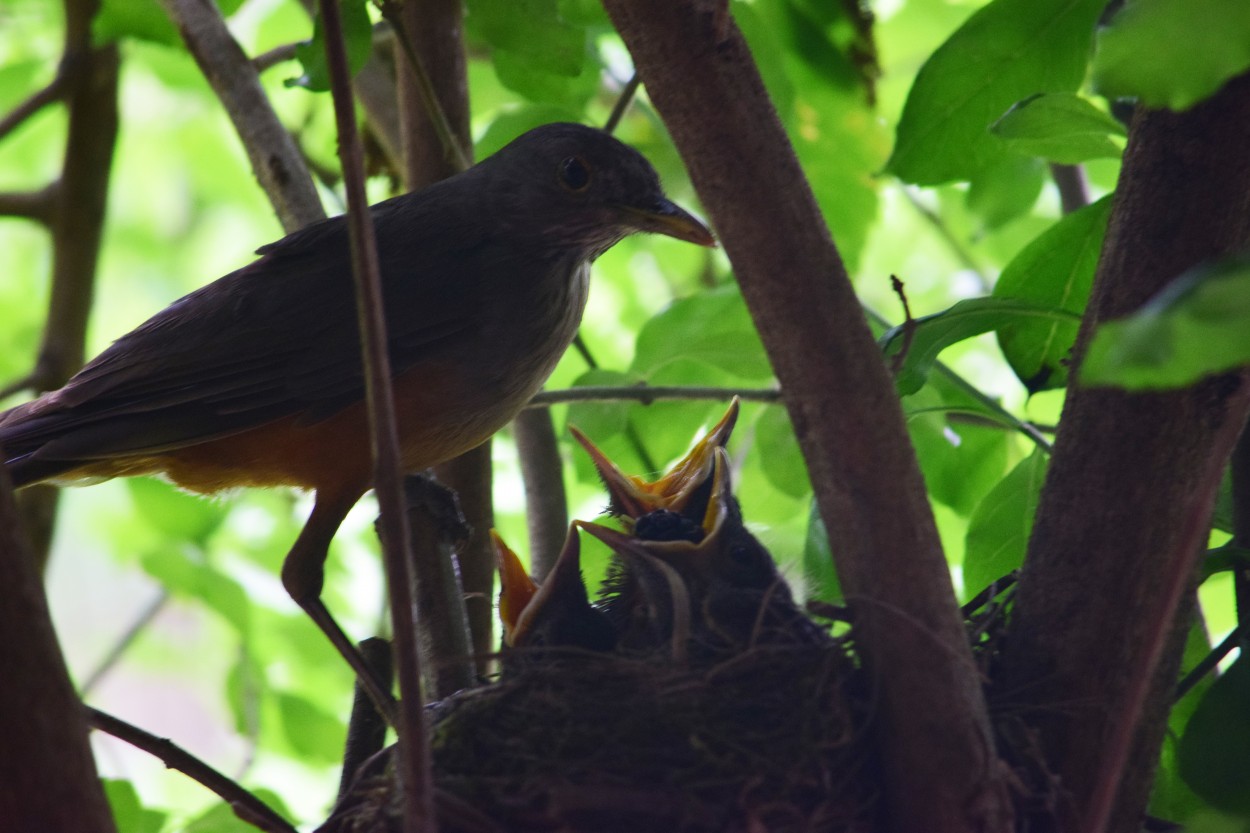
[533, 31]
[139, 19]
[358, 36]
[128, 811]
[1199, 325]
[713, 327]
[314, 734]
[1055, 270]
[1214, 752]
[1059, 127]
[780, 457]
[196, 580]
[517, 73]
[961, 462]
[931, 334]
[1006, 189]
[1173, 53]
[998, 532]
[822, 578]
[1007, 51]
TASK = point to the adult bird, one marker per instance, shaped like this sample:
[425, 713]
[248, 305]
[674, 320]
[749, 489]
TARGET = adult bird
[255, 380]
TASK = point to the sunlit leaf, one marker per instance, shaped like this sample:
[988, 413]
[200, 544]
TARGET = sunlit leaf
[961, 461]
[1006, 189]
[1196, 327]
[1055, 270]
[200, 581]
[931, 334]
[713, 327]
[128, 811]
[998, 533]
[780, 457]
[1060, 127]
[533, 31]
[314, 734]
[1007, 51]
[1173, 53]
[139, 19]
[1214, 752]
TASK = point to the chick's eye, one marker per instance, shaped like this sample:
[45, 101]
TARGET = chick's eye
[574, 173]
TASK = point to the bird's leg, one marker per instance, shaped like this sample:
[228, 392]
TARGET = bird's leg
[303, 573]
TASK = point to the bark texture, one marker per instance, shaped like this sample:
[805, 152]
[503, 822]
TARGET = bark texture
[941, 770]
[46, 767]
[1129, 493]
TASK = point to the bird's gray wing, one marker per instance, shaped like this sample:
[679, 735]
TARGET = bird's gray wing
[276, 338]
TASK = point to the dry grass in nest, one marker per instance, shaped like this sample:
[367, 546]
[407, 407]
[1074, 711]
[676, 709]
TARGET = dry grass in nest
[767, 739]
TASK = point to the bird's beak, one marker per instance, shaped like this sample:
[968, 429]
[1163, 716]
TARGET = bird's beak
[668, 218]
[565, 578]
[516, 588]
[634, 497]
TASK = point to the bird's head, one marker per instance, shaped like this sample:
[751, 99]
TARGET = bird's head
[572, 185]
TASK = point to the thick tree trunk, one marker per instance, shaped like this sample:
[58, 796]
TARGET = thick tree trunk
[1126, 505]
[48, 780]
[942, 773]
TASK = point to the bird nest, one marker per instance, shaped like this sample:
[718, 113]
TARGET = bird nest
[767, 738]
[694, 696]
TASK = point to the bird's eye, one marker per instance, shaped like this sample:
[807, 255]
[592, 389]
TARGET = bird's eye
[574, 174]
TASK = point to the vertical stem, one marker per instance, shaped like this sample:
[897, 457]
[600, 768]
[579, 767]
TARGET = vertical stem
[414, 751]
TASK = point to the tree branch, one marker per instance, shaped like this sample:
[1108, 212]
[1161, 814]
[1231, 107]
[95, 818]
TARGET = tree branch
[1129, 492]
[1073, 188]
[646, 395]
[54, 91]
[941, 771]
[46, 767]
[246, 805]
[39, 206]
[276, 161]
[542, 471]
[415, 764]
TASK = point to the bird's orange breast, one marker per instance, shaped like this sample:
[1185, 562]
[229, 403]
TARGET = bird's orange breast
[440, 412]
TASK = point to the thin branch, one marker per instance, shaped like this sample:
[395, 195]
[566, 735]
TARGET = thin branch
[989, 403]
[1072, 185]
[452, 149]
[647, 394]
[1208, 663]
[909, 326]
[414, 758]
[39, 206]
[273, 57]
[436, 526]
[124, 642]
[245, 804]
[366, 728]
[276, 161]
[622, 103]
[54, 91]
[542, 471]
